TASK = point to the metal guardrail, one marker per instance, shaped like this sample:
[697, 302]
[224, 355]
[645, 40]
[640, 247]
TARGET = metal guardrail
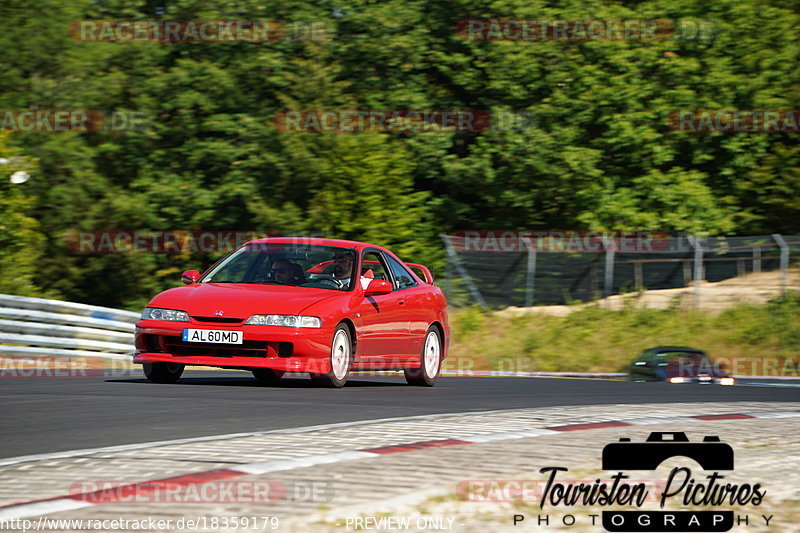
[36, 327]
[41, 327]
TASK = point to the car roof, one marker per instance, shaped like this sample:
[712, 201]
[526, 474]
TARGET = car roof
[659, 349]
[342, 243]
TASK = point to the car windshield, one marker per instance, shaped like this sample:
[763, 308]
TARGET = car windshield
[299, 265]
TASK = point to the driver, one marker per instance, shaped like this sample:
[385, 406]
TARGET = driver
[343, 267]
[281, 271]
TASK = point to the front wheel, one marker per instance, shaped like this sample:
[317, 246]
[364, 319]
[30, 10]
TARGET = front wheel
[341, 360]
[163, 372]
[430, 363]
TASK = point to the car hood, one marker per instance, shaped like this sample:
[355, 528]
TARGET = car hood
[240, 300]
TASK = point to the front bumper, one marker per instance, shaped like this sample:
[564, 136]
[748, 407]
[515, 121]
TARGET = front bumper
[275, 347]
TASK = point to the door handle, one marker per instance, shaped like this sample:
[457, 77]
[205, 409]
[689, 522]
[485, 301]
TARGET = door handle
[402, 302]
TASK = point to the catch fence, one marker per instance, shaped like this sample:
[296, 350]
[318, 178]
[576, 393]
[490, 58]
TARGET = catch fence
[517, 268]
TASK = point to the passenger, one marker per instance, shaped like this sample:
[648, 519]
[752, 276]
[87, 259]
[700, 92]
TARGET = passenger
[298, 275]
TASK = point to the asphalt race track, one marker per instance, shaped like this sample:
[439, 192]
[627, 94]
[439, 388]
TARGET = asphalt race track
[42, 415]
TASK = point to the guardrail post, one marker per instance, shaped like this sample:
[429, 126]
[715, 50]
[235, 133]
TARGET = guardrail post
[784, 262]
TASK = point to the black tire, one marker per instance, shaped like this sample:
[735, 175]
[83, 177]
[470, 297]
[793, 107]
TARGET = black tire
[427, 375]
[268, 376]
[163, 372]
[341, 359]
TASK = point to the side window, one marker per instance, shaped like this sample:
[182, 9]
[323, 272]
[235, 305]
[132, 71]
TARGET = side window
[372, 266]
[402, 276]
[646, 357]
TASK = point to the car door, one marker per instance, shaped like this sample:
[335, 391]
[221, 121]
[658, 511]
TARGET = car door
[418, 299]
[383, 334]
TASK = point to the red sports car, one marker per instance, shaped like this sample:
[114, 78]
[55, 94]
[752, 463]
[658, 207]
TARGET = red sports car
[322, 306]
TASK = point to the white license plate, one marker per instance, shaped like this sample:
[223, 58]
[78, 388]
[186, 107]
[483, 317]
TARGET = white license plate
[218, 336]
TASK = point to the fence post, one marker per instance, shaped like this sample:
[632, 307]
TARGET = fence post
[757, 259]
[698, 270]
[453, 256]
[608, 286]
[530, 280]
[784, 261]
[687, 272]
[638, 276]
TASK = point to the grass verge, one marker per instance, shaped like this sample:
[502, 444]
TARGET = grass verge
[749, 339]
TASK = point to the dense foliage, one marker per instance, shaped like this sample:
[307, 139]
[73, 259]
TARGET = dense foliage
[584, 144]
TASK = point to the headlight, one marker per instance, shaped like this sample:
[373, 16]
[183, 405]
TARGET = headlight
[292, 321]
[154, 313]
[677, 380]
[726, 381]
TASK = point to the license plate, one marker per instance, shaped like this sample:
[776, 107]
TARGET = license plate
[217, 336]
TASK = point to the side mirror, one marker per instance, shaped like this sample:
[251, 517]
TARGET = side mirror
[190, 276]
[377, 287]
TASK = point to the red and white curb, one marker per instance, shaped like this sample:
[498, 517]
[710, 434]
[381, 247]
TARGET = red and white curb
[87, 499]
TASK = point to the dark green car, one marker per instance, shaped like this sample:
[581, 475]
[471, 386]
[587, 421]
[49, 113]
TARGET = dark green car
[677, 364]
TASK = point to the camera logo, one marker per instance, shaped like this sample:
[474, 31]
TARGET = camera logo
[711, 454]
[702, 503]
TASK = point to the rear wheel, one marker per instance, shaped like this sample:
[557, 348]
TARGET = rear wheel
[341, 360]
[430, 361]
[163, 372]
[268, 376]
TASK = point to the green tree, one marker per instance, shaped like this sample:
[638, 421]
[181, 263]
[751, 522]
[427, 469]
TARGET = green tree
[21, 242]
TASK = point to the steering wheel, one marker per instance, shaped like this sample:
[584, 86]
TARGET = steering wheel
[337, 282]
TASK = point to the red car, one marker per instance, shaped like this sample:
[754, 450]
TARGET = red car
[323, 306]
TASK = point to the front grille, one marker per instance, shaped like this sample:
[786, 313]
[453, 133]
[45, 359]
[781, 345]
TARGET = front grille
[179, 348]
[218, 319]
